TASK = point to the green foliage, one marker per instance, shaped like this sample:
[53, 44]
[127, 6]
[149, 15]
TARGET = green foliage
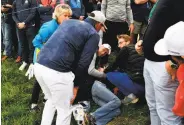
[16, 95]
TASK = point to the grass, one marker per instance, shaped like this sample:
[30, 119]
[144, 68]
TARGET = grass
[16, 94]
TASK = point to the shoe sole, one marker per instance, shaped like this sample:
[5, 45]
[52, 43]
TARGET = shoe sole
[132, 102]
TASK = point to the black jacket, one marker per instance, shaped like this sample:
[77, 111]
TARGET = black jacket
[166, 13]
[7, 17]
[24, 11]
[130, 62]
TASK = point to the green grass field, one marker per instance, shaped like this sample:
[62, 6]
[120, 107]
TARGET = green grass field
[16, 94]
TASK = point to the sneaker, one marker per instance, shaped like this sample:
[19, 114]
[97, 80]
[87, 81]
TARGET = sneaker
[89, 119]
[18, 59]
[4, 58]
[130, 99]
[78, 114]
[86, 105]
[23, 66]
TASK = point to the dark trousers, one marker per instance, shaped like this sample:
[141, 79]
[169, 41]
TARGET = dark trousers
[26, 36]
[114, 29]
[35, 92]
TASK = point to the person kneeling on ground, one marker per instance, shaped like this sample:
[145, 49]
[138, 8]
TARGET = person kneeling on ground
[129, 77]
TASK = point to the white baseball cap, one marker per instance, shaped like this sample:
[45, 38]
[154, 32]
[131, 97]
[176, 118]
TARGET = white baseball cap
[173, 41]
[107, 46]
[98, 16]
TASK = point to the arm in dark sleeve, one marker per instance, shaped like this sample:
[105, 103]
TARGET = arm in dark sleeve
[90, 48]
[32, 12]
[14, 15]
[123, 55]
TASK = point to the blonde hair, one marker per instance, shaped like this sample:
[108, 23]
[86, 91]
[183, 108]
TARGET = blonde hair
[127, 38]
[61, 9]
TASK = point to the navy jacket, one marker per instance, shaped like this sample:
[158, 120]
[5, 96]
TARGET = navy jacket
[70, 48]
[24, 11]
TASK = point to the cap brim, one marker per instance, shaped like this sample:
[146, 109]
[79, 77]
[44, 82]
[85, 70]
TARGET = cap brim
[161, 48]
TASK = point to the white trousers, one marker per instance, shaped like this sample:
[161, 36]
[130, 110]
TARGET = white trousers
[160, 94]
[58, 89]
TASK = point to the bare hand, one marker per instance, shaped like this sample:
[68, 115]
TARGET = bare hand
[115, 90]
[4, 9]
[21, 25]
[75, 90]
[81, 18]
[131, 28]
[103, 29]
[101, 69]
[138, 47]
[170, 70]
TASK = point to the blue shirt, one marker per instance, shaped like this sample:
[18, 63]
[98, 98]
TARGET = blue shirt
[43, 35]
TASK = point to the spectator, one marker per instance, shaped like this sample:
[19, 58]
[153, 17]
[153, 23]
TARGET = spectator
[118, 13]
[46, 8]
[160, 89]
[77, 9]
[6, 27]
[62, 55]
[141, 10]
[24, 17]
[129, 77]
[172, 44]
[62, 12]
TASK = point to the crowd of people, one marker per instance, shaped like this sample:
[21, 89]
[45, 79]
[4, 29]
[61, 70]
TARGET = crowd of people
[66, 45]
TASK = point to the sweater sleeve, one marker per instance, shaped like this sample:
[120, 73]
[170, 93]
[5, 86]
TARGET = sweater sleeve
[93, 71]
[14, 15]
[129, 12]
[85, 59]
[104, 6]
[32, 12]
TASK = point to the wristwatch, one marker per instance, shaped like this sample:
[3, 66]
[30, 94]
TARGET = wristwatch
[173, 65]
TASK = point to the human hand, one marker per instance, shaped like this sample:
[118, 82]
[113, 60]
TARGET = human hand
[138, 47]
[75, 91]
[101, 69]
[103, 29]
[131, 28]
[3, 9]
[30, 71]
[115, 90]
[21, 25]
[81, 18]
[170, 70]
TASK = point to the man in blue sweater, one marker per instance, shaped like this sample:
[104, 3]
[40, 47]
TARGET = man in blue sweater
[66, 55]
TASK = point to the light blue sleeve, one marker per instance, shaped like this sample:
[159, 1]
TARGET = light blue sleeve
[42, 36]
